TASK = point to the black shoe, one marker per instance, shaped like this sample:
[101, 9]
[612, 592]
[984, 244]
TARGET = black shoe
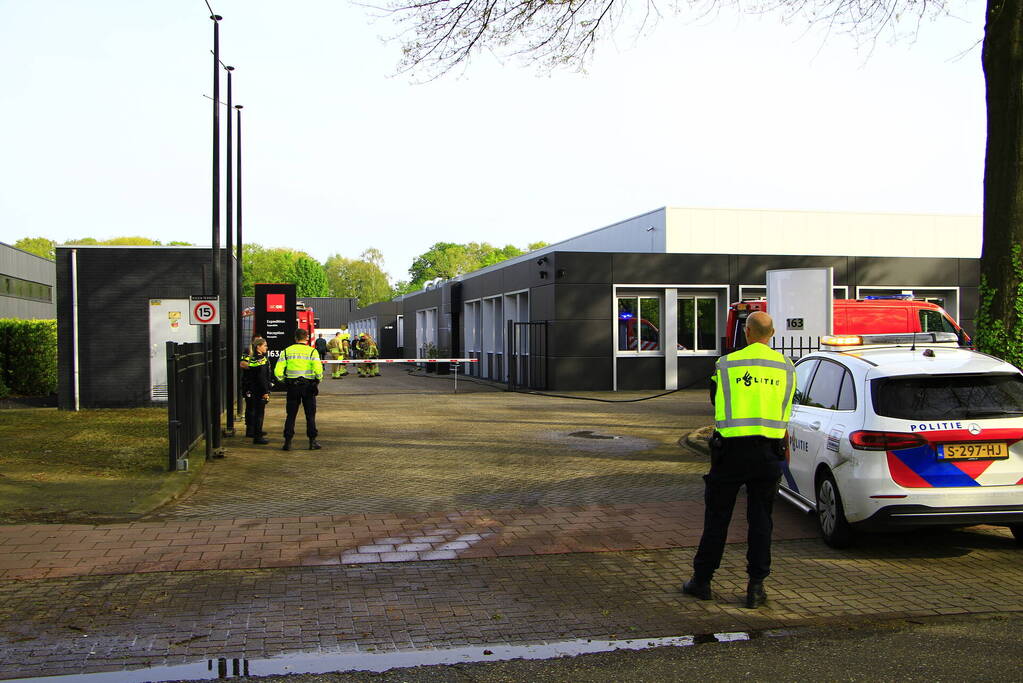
[287, 445]
[698, 589]
[261, 441]
[249, 435]
[755, 594]
[314, 445]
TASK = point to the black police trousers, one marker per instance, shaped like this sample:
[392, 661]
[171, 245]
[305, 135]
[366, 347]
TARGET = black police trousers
[753, 462]
[301, 393]
[255, 409]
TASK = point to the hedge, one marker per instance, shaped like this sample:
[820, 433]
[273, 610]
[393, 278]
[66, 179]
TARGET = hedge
[28, 357]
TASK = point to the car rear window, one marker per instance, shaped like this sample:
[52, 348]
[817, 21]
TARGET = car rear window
[938, 397]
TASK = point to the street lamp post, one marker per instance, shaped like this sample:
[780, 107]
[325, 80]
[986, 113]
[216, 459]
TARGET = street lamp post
[215, 379]
[238, 226]
[230, 279]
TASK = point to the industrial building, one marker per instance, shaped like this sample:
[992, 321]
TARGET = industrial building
[27, 285]
[642, 303]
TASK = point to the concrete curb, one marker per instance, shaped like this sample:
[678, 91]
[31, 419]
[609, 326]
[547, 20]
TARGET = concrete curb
[697, 439]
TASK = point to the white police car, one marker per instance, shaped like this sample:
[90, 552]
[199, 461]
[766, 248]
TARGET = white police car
[901, 431]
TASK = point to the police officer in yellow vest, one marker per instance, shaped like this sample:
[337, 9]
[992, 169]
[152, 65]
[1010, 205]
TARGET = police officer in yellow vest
[752, 396]
[300, 369]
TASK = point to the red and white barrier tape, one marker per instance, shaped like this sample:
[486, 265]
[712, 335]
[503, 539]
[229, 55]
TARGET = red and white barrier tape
[404, 360]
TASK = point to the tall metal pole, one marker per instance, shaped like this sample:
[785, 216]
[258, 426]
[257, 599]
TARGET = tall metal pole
[215, 380]
[238, 225]
[231, 371]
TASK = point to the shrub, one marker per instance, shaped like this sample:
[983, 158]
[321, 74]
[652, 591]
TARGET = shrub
[28, 356]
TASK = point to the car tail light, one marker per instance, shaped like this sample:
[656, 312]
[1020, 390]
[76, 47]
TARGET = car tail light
[866, 440]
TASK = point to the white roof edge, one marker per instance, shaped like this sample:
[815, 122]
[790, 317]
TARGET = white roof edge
[827, 211]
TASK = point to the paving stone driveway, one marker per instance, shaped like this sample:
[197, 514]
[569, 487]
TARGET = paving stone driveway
[544, 519]
[387, 449]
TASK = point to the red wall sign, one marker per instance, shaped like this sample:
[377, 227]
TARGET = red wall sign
[275, 303]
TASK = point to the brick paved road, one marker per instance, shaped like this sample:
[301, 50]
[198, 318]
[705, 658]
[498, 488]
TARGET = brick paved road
[547, 505]
[55, 626]
[390, 448]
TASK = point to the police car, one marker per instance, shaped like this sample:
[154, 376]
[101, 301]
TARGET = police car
[902, 431]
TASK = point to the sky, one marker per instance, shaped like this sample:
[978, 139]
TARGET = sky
[106, 126]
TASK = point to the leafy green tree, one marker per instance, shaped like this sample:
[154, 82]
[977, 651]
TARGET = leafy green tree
[309, 278]
[440, 35]
[40, 246]
[446, 260]
[275, 264]
[360, 278]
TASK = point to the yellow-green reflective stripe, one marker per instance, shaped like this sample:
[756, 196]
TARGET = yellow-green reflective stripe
[781, 365]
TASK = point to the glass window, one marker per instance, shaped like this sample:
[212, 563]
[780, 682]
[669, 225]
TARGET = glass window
[934, 321]
[697, 323]
[804, 373]
[24, 289]
[847, 397]
[639, 323]
[824, 389]
[944, 397]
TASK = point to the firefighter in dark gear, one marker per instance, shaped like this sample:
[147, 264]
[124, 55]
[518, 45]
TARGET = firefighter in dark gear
[752, 396]
[256, 389]
[301, 370]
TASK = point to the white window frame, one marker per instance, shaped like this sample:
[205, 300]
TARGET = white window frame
[426, 330]
[399, 323]
[639, 293]
[686, 292]
[472, 325]
[669, 325]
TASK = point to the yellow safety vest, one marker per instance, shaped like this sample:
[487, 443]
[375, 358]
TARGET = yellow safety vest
[755, 386]
[299, 360]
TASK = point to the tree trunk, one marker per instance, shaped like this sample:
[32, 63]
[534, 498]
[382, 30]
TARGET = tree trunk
[1003, 180]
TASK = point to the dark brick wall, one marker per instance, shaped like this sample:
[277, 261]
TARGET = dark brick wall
[115, 285]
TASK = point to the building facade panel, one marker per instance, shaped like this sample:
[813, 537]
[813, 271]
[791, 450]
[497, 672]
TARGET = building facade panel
[27, 285]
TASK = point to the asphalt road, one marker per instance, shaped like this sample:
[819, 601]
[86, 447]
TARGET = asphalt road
[987, 647]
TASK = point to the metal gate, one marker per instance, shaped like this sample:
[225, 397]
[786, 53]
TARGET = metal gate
[527, 355]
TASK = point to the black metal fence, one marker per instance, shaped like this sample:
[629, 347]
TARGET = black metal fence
[796, 347]
[189, 367]
[527, 355]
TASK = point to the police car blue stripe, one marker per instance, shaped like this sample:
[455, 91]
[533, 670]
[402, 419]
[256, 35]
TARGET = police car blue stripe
[938, 474]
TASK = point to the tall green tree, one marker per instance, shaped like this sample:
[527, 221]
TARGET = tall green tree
[40, 246]
[446, 260]
[439, 35]
[277, 264]
[360, 278]
[309, 278]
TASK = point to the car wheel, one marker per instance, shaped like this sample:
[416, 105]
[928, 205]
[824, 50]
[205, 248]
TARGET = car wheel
[1017, 532]
[831, 522]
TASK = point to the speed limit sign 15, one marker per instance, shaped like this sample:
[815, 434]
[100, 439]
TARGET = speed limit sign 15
[204, 310]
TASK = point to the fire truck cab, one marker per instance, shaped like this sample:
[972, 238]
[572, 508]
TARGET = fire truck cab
[870, 315]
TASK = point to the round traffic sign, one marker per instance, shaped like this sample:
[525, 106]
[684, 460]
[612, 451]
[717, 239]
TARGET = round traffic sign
[204, 311]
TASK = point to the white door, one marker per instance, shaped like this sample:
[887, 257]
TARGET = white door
[812, 421]
[168, 321]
